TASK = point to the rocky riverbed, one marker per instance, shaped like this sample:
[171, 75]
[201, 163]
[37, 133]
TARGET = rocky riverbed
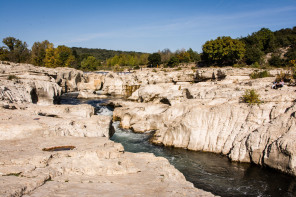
[64, 150]
[193, 109]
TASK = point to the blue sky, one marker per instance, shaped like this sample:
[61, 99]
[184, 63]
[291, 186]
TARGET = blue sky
[135, 25]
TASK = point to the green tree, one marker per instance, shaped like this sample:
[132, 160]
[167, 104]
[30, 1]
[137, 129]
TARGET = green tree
[38, 52]
[17, 50]
[264, 40]
[154, 59]
[3, 54]
[253, 54]
[63, 56]
[174, 61]
[143, 59]
[90, 63]
[194, 56]
[223, 51]
[114, 60]
[276, 61]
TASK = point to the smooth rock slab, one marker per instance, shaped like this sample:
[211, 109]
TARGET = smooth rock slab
[96, 167]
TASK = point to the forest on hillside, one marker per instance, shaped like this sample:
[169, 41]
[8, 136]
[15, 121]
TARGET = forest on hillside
[260, 49]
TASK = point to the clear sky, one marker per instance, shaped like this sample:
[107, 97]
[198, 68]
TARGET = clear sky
[140, 25]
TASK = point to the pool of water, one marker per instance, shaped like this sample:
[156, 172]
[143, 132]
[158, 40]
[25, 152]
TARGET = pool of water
[207, 171]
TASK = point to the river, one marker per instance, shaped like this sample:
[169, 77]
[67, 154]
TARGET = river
[208, 171]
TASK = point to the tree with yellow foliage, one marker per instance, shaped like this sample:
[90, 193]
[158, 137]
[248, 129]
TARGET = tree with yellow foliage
[58, 57]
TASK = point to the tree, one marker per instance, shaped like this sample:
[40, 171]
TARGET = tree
[38, 52]
[174, 61]
[264, 40]
[154, 59]
[17, 50]
[253, 54]
[165, 55]
[223, 51]
[50, 60]
[3, 54]
[183, 56]
[90, 63]
[276, 61]
[143, 59]
[194, 56]
[64, 57]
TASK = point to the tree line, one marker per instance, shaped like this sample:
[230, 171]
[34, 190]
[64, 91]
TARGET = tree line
[222, 51]
[45, 54]
[252, 49]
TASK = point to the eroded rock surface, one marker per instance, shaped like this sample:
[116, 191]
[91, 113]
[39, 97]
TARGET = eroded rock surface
[96, 166]
[213, 119]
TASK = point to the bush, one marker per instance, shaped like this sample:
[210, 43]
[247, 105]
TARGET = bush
[276, 61]
[220, 75]
[285, 76]
[11, 77]
[174, 61]
[251, 97]
[256, 74]
[255, 65]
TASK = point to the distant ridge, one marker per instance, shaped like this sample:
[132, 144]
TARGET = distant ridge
[101, 54]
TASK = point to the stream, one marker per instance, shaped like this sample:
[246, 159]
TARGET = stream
[208, 171]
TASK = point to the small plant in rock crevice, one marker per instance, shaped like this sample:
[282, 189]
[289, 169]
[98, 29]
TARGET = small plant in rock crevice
[262, 74]
[11, 77]
[251, 97]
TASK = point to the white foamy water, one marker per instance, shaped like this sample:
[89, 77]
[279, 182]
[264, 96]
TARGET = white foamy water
[104, 111]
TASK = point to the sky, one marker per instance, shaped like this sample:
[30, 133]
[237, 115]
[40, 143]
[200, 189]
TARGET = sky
[140, 25]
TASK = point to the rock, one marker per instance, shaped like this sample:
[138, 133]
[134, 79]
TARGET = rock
[23, 90]
[161, 93]
[214, 120]
[273, 144]
[90, 95]
[91, 82]
[57, 120]
[68, 78]
[141, 117]
[96, 166]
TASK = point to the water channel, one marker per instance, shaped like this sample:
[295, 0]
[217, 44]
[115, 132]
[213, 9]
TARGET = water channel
[208, 171]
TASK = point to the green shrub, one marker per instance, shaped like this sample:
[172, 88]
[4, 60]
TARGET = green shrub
[262, 74]
[251, 97]
[255, 65]
[276, 61]
[11, 77]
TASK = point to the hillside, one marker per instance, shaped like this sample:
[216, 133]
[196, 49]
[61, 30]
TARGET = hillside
[101, 54]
